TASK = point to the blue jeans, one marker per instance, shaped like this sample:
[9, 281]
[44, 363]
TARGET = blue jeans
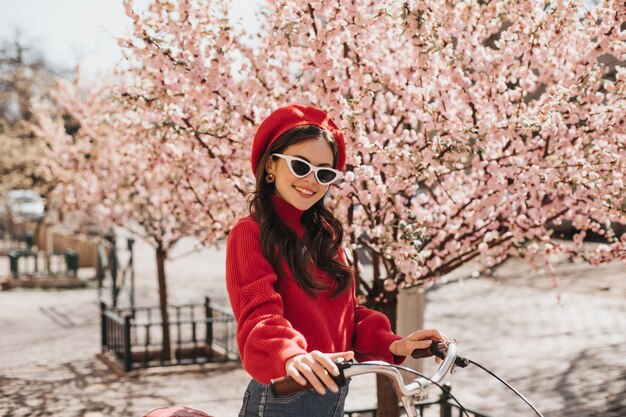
[258, 401]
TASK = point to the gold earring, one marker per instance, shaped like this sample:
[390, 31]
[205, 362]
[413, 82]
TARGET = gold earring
[270, 178]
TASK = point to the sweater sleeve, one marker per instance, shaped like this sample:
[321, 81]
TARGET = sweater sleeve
[265, 338]
[373, 336]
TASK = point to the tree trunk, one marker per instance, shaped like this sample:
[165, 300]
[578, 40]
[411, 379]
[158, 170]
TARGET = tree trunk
[161, 255]
[387, 398]
[406, 314]
[411, 306]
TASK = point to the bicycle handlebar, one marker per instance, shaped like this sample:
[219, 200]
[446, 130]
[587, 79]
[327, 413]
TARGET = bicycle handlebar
[417, 387]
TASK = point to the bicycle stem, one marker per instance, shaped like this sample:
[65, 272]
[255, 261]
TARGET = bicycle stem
[415, 388]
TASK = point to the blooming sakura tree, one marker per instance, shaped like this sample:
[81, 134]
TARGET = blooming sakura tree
[153, 152]
[113, 169]
[473, 127]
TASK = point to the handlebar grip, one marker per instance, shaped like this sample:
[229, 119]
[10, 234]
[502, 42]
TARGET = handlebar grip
[287, 385]
[439, 351]
[432, 350]
[421, 353]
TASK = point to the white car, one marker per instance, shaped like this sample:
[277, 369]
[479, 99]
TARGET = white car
[27, 204]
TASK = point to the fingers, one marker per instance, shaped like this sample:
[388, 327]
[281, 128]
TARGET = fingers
[348, 355]
[310, 370]
[431, 334]
[420, 339]
[292, 369]
[418, 344]
[316, 368]
[323, 366]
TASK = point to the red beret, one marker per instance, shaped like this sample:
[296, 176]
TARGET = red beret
[285, 119]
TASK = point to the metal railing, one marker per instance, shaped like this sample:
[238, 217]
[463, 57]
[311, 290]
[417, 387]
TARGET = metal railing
[32, 263]
[26, 260]
[199, 333]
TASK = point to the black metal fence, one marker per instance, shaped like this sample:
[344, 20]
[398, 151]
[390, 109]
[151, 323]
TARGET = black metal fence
[199, 333]
[441, 407]
[28, 263]
[26, 260]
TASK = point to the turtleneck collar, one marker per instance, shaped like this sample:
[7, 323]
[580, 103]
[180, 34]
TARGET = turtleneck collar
[290, 215]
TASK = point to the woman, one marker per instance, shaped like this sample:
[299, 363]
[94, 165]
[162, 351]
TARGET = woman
[288, 280]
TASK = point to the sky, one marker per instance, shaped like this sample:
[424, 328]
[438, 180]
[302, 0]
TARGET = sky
[70, 32]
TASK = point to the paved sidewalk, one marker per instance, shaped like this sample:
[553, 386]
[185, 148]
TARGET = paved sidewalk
[564, 348]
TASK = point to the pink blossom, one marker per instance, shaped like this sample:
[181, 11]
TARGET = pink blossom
[473, 140]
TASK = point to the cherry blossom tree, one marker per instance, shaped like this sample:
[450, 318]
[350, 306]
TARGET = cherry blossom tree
[153, 153]
[115, 169]
[473, 127]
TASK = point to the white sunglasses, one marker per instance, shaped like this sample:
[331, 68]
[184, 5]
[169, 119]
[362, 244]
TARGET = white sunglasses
[301, 168]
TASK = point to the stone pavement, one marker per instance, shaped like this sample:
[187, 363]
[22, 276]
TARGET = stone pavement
[563, 347]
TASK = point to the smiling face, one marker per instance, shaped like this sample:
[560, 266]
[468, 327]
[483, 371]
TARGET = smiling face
[301, 193]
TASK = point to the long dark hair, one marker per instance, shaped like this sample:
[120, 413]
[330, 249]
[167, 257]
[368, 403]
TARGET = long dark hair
[324, 232]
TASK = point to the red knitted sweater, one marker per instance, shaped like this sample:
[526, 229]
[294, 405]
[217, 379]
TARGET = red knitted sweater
[278, 320]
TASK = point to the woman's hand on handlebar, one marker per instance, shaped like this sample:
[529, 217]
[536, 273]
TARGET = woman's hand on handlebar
[420, 339]
[316, 368]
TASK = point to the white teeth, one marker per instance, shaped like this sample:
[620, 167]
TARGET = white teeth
[303, 191]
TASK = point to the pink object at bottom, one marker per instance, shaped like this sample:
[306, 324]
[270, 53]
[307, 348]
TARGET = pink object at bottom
[176, 411]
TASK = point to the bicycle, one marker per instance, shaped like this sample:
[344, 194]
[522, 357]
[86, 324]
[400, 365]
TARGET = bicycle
[409, 393]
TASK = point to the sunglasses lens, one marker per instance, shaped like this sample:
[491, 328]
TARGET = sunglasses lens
[325, 176]
[300, 168]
